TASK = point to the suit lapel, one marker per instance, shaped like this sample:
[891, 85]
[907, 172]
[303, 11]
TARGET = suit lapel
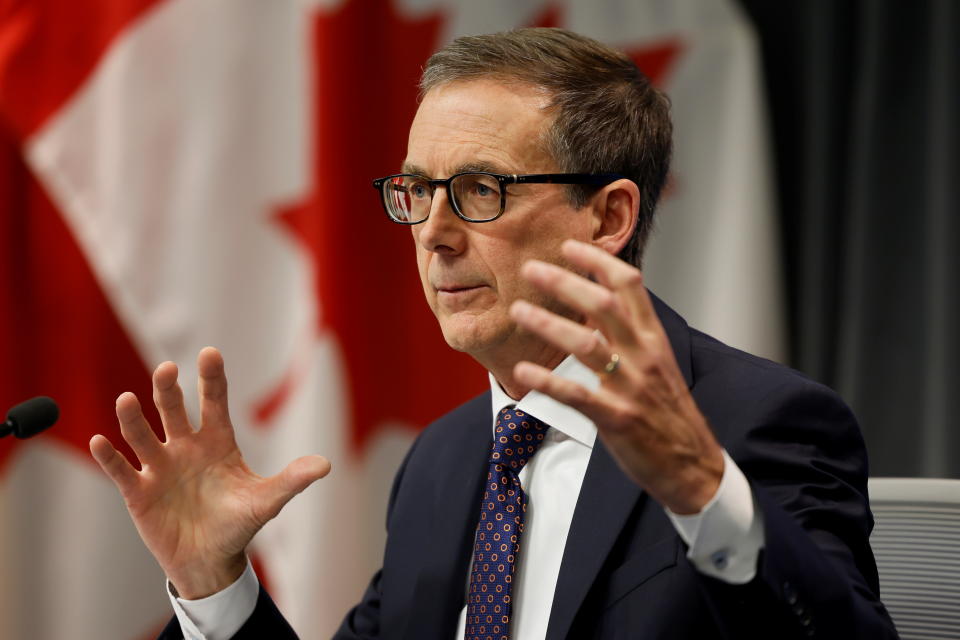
[440, 587]
[607, 498]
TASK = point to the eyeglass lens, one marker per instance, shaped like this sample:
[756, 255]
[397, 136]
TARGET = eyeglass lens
[408, 197]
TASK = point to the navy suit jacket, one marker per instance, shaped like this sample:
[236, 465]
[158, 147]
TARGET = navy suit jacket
[624, 572]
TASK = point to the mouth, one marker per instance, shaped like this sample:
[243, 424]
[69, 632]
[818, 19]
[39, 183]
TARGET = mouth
[457, 294]
[458, 288]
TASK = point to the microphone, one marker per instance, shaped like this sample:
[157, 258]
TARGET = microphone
[30, 417]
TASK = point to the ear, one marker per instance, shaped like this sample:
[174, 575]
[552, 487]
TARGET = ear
[616, 207]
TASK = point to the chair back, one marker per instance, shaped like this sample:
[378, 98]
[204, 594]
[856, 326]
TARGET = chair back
[916, 541]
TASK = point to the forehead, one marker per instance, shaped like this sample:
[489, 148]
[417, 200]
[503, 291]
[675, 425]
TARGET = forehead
[480, 124]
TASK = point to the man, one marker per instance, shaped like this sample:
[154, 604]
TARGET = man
[626, 476]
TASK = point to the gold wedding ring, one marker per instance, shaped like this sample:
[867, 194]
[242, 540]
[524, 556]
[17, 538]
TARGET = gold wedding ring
[614, 363]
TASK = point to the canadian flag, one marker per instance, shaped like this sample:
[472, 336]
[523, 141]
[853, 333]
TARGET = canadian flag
[177, 173]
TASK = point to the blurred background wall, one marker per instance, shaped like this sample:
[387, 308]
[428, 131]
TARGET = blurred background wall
[176, 173]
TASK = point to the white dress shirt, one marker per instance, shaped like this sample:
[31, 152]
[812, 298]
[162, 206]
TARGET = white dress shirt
[724, 539]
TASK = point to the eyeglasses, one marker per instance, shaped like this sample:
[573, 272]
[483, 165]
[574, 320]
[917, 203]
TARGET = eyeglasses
[475, 196]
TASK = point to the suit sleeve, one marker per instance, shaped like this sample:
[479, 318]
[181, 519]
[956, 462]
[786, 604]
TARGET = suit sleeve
[816, 576]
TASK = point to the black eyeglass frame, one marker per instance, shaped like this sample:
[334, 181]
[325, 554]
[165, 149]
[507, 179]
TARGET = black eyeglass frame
[593, 179]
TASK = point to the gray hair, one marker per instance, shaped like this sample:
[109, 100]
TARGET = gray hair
[609, 117]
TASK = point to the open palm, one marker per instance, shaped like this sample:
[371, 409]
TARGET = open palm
[194, 501]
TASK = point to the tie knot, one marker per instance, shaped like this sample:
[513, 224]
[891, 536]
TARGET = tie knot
[516, 438]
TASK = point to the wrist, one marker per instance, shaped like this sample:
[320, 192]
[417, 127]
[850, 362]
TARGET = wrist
[695, 487]
[196, 582]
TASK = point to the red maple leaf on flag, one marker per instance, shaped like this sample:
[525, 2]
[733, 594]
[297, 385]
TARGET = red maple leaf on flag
[549, 15]
[364, 92]
[657, 59]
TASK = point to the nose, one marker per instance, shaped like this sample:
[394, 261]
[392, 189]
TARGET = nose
[443, 231]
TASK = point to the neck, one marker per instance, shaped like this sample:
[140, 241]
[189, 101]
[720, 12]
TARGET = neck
[501, 362]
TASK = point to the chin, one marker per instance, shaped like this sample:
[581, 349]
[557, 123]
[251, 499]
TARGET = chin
[473, 336]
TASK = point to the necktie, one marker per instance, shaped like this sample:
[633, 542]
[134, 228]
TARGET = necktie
[516, 438]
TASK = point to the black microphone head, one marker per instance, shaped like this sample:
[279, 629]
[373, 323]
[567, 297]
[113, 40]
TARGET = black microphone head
[33, 416]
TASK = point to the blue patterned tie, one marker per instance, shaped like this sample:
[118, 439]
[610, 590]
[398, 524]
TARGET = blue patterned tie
[516, 438]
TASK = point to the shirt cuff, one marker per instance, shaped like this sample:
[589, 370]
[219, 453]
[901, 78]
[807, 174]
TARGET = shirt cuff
[220, 616]
[724, 540]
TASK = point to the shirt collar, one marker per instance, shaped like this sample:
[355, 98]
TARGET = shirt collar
[556, 414]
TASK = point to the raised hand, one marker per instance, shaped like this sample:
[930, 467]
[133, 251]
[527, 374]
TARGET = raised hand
[194, 501]
[643, 410]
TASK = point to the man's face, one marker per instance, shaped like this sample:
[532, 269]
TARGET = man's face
[471, 271]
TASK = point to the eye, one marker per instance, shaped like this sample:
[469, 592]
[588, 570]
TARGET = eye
[418, 190]
[481, 186]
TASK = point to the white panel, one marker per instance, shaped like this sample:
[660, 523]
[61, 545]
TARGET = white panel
[77, 566]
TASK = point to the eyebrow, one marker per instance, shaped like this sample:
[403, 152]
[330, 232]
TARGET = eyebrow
[409, 167]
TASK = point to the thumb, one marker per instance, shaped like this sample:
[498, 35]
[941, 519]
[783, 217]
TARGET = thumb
[297, 476]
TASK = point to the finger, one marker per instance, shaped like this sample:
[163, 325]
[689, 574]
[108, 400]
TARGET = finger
[596, 405]
[566, 335]
[136, 430]
[212, 384]
[616, 275]
[297, 476]
[114, 464]
[168, 397]
[597, 302]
